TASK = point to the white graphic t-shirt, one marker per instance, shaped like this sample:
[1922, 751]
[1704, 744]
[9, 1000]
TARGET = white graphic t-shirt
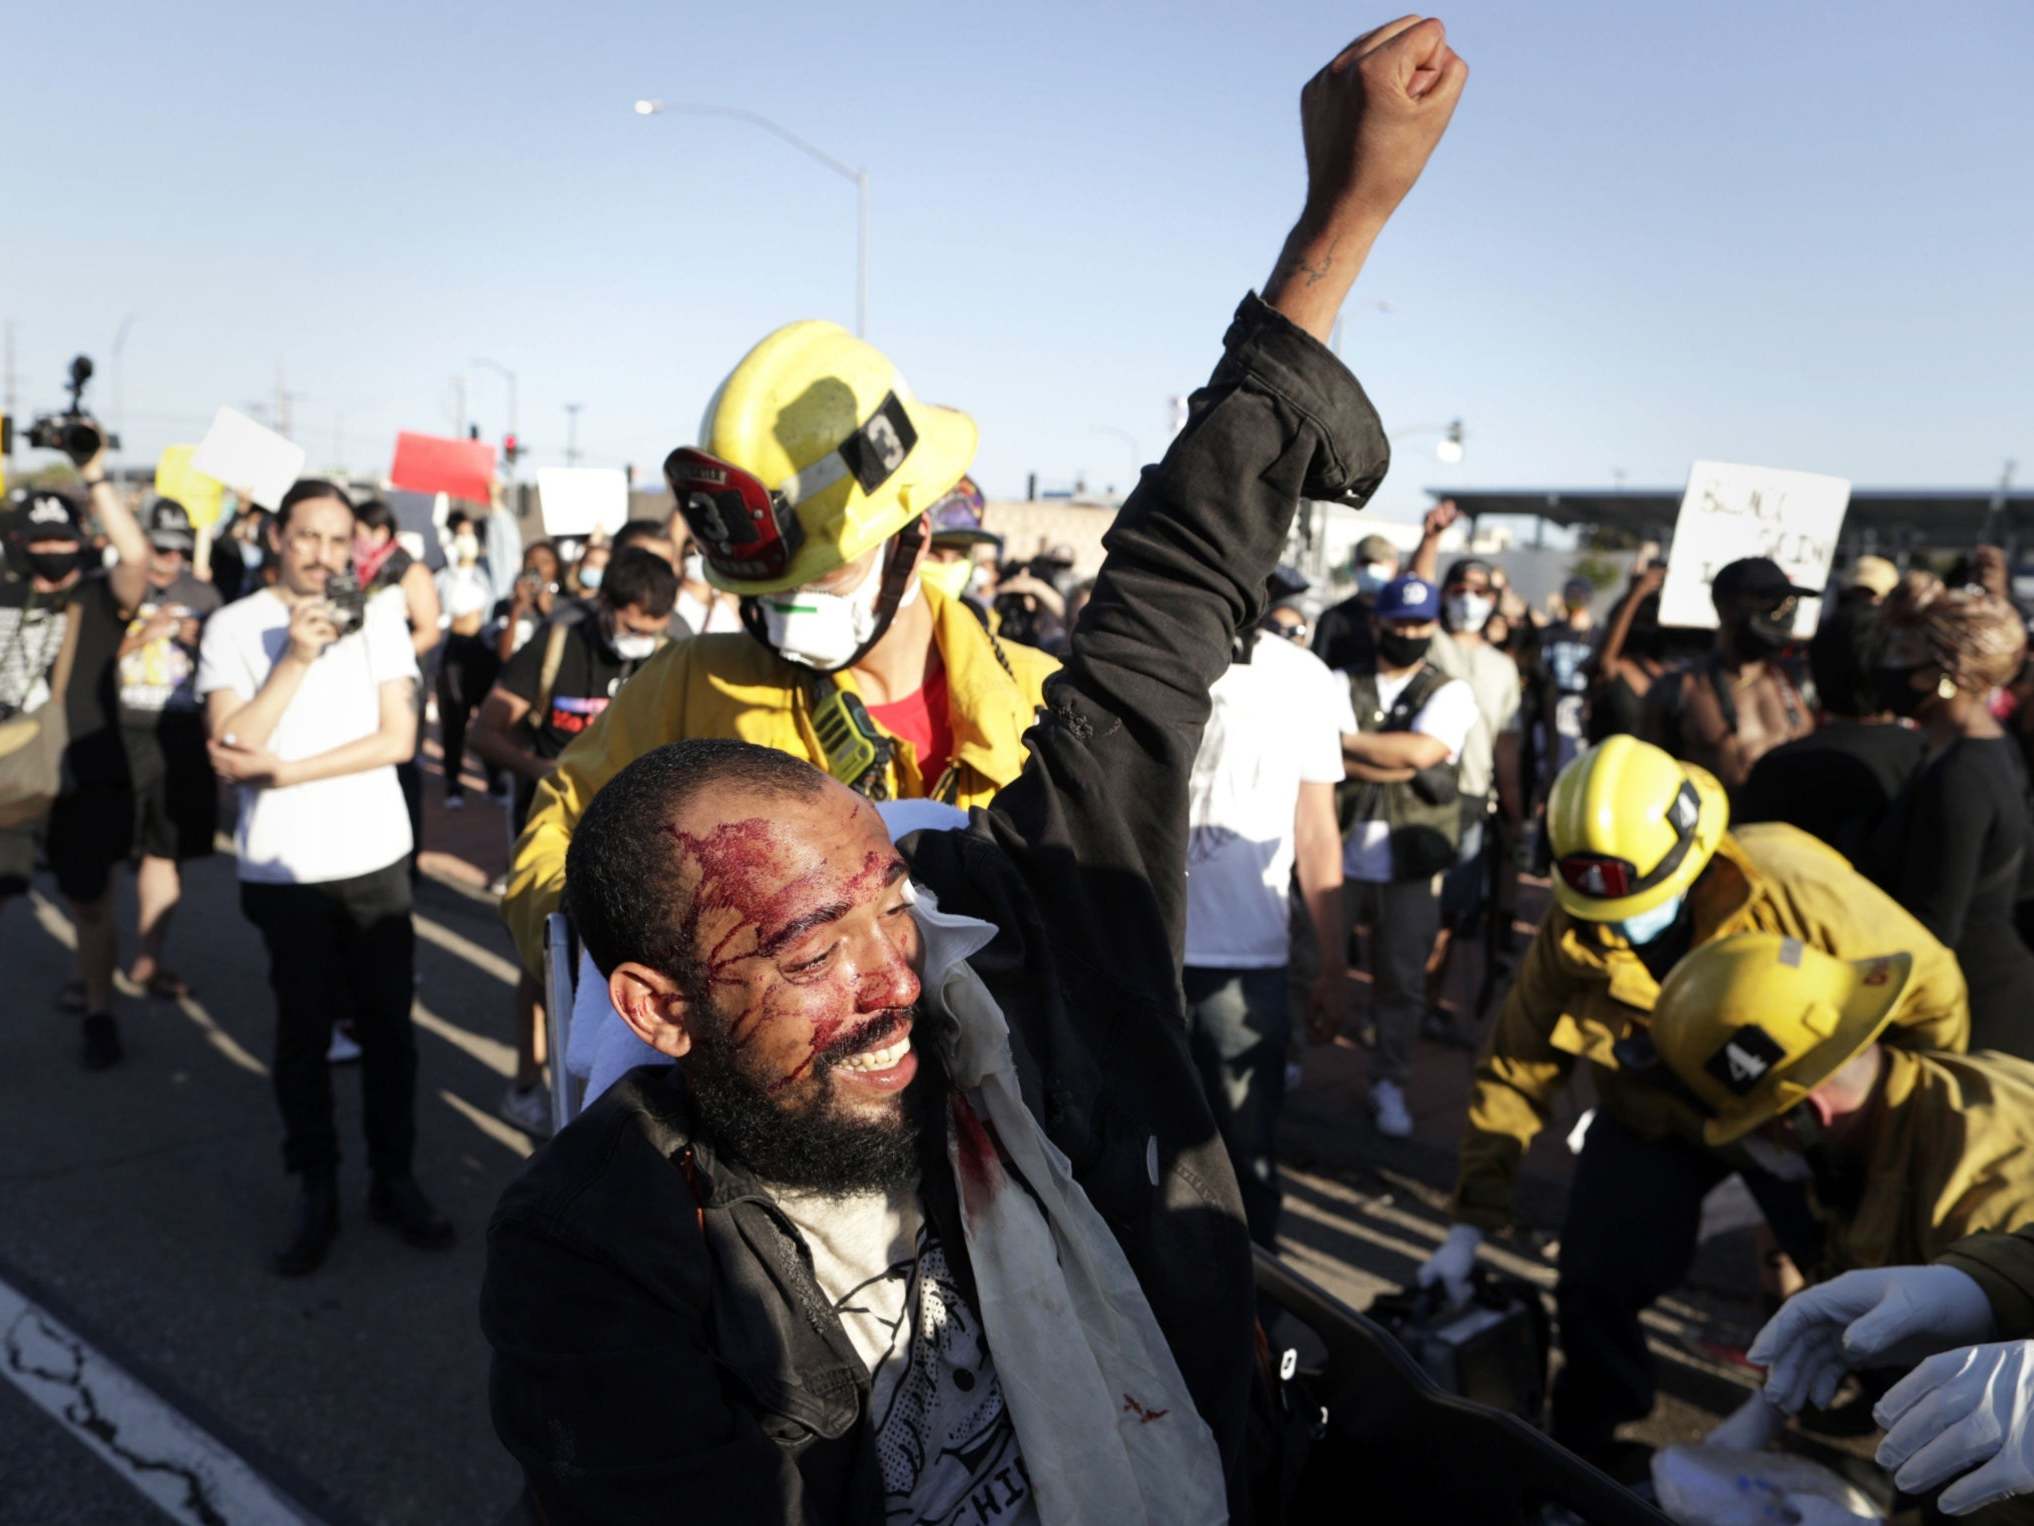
[946, 1442]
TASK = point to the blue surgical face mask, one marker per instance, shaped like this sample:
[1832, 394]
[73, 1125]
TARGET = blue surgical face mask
[1371, 579]
[589, 577]
[1648, 925]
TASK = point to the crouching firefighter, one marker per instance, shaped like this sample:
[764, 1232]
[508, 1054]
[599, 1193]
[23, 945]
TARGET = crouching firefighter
[1910, 1157]
[809, 496]
[930, 1220]
[1645, 871]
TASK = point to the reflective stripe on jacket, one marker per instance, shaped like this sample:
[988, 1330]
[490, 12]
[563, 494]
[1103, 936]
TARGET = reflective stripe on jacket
[731, 685]
[1578, 993]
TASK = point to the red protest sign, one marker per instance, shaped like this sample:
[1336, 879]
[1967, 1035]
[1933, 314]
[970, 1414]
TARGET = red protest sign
[429, 464]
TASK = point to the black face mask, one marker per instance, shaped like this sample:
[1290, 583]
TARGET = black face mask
[1894, 689]
[1402, 651]
[54, 566]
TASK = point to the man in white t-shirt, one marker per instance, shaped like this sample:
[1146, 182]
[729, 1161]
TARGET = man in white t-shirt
[1261, 802]
[1402, 745]
[309, 714]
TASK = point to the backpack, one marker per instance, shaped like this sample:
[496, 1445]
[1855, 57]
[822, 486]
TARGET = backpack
[32, 745]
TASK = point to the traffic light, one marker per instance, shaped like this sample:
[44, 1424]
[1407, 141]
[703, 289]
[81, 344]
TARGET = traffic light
[511, 447]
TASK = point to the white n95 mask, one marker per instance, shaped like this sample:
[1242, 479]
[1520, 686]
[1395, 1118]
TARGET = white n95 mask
[825, 631]
[1469, 611]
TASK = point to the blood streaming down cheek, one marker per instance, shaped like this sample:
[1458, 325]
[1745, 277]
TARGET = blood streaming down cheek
[737, 862]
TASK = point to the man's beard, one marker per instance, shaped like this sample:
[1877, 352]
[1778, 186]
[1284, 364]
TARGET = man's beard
[811, 1146]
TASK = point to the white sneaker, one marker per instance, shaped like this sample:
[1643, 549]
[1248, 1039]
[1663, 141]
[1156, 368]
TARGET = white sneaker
[343, 1051]
[528, 1110]
[1388, 1103]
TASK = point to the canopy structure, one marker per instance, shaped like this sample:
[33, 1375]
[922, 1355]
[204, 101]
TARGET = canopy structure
[1878, 518]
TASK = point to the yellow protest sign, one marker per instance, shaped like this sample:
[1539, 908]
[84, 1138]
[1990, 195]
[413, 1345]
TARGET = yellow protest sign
[203, 497]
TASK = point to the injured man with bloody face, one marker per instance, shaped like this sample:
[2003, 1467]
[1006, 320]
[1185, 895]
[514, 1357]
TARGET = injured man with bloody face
[926, 1217]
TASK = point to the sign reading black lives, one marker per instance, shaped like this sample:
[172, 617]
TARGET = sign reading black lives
[1745, 1058]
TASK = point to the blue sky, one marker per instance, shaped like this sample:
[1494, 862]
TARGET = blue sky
[1799, 235]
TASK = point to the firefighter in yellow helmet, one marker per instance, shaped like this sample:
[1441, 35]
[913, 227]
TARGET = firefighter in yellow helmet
[1908, 1152]
[1646, 870]
[808, 496]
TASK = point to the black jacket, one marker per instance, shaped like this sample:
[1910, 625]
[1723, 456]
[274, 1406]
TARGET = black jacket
[661, 1348]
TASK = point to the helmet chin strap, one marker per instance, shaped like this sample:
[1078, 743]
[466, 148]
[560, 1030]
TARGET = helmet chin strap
[897, 570]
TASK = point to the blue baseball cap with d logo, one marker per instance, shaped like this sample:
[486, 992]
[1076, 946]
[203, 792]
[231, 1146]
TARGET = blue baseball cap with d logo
[1409, 598]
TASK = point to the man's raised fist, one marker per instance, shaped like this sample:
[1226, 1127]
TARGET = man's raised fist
[1372, 117]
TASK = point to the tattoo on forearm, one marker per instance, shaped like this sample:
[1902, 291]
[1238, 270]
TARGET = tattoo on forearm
[1295, 264]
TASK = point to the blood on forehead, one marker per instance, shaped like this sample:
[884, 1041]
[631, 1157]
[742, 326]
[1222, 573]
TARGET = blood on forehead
[744, 895]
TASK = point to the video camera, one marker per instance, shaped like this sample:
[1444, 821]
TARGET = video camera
[74, 432]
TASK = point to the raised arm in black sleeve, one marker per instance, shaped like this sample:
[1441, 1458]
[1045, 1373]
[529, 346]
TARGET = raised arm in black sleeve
[1105, 790]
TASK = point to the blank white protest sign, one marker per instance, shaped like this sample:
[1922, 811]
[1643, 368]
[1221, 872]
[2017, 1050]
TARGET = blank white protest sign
[582, 500]
[249, 456]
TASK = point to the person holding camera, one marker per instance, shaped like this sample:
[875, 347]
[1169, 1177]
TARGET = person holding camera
[1401, 820]
[310, 703]
[60, 632]
[176, 796]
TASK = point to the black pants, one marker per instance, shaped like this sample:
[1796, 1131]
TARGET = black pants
[1629, 1239]
[466, 671]
[344, 948]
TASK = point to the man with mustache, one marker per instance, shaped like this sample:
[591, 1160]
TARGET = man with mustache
[930, 1220]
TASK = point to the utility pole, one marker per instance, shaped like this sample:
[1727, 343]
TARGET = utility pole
[572, 433]
[119, 391]
[283, 398]
[8, 329]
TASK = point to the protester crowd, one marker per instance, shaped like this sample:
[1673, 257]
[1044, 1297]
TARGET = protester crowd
[1789, 867]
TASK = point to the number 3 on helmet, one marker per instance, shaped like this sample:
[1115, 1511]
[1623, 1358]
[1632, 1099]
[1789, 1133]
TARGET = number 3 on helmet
[812, 453]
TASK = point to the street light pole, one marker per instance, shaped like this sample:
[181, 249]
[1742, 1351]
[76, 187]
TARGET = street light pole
[1136, 451]
[859, 178]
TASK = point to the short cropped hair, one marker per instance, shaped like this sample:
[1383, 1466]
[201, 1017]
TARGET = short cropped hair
[640, 577]
[619, 886]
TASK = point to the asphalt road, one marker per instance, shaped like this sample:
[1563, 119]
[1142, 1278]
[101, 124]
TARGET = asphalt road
[139, 1208]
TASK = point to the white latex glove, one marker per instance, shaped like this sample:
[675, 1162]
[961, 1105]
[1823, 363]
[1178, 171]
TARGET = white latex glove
[1452, 1263]
[1891, 1316]
[1751, 1427]
[1958, 1412]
